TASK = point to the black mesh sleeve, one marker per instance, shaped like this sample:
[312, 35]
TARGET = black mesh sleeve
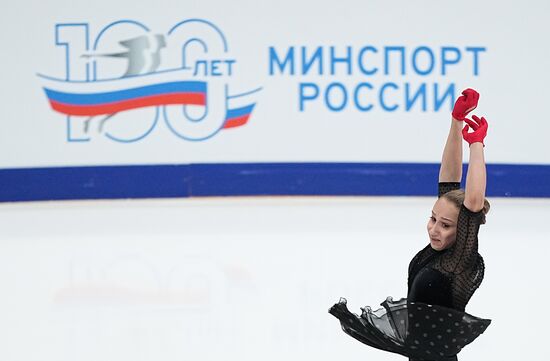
[445, 187]
[462, 263]
[463, 254]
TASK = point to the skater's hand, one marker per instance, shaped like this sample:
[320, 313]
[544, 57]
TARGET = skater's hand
[479, 127]
[465, 104]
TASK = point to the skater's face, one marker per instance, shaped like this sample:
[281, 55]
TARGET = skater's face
[442, 224]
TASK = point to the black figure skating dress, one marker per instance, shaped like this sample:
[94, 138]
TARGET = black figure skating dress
[430, 324]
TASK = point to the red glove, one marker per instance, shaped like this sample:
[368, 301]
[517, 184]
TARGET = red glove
[465, 104]
[479, 127]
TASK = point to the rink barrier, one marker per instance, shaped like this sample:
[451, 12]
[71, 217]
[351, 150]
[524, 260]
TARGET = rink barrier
[256, 179]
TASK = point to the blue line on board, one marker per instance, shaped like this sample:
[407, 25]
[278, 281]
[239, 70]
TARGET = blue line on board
[252, 179]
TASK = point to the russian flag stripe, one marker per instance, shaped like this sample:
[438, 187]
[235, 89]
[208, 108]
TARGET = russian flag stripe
[126, 94]
[239, 112]
[236, 122]
[238, 116]
[142, 102]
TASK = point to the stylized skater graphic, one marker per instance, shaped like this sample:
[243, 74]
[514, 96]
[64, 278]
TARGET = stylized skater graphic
[143, 57]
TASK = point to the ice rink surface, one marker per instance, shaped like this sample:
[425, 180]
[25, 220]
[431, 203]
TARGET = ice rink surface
[246, 278]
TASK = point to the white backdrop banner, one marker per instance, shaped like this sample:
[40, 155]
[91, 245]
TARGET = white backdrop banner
[192, 82]
[213, 81]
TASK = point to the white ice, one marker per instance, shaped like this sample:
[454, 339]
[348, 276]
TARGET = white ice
[246, 278]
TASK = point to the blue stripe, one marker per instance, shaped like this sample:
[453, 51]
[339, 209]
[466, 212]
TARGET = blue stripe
[239, 112]
[250, 179]
[121, 95]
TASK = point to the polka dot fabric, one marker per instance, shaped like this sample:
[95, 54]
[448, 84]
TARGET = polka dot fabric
[415, 330]
[419, 330]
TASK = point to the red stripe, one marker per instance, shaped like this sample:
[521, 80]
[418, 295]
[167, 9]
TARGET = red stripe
[236, 122]
[149, 101]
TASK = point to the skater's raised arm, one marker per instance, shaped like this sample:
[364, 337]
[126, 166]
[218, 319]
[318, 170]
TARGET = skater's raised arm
[451, 162]
[476, 179]
[463, 254]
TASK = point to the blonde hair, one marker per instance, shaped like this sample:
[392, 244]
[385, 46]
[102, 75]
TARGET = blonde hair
[456, 197]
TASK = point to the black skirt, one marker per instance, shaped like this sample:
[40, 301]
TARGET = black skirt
[415, 330]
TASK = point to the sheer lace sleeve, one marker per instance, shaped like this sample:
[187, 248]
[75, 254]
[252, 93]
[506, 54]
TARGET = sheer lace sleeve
[445, 187]
[463, 254]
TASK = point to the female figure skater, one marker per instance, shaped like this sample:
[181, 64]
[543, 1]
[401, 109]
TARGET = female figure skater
[431, 323]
